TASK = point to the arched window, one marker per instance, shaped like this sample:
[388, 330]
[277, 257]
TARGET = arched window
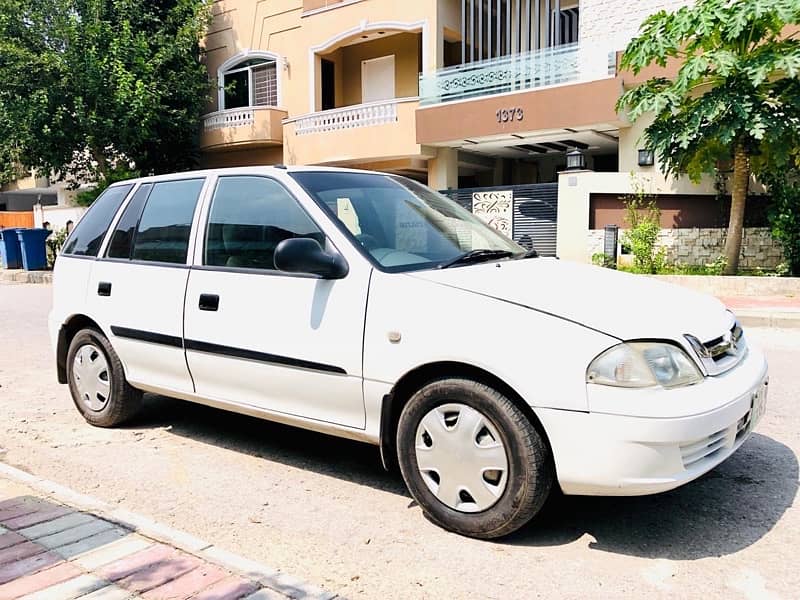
[250, 82]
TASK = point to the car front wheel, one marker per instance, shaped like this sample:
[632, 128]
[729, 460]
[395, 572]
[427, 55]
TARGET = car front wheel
[471, 459]
[97, 381]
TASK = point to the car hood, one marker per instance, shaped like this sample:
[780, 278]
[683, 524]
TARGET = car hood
[620, 304]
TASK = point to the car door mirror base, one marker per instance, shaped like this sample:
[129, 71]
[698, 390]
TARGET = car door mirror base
[305, 255]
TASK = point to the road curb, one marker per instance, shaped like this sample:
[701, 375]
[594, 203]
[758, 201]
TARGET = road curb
[266, 576]
[768, 318]
[20, 276]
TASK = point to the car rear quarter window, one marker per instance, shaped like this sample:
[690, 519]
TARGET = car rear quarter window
[122, 239]
[88, 235]
[166, 222]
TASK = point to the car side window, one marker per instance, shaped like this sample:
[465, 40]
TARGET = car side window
[88, 235]
[122, 239]
[166, 222]
[249, 217]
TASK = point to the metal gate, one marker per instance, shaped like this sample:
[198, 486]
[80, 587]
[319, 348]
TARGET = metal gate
[535, 212]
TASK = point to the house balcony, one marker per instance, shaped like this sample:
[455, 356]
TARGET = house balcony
[373, 131]
[547, 67]
[242, 128]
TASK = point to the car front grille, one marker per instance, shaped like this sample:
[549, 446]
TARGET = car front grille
[722, 353]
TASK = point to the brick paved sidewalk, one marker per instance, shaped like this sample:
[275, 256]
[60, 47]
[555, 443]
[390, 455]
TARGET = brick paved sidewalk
[50, 551]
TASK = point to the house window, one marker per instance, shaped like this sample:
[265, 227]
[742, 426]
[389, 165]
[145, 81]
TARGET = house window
[251, 82]
[567, 25]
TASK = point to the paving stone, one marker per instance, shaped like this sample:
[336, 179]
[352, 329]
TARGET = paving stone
[3, 530]
[10, 539]
[110, 592]
[159, 572]
[31, 583]
[234, 562]
[186, 585]
[19, 510]
[56, 525]
[104, 538]
[27, 566]
[20, 551]
[135, 562]
[75, 534]
[40, 516]
[11, 502]
[294, 588]
[266, 594]
[68, 590]
[230, 588]
[102, 556]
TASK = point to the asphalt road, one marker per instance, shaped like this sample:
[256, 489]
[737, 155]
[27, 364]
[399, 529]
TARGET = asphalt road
[323, 509]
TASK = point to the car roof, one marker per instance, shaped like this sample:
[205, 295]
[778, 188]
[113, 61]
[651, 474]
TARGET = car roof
[277, 170]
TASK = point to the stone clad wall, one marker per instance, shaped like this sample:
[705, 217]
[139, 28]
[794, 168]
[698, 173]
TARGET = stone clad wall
[615, 22]
[698, 246]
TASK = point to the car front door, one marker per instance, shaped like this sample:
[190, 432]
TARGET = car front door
[259, 337]
[137, 288]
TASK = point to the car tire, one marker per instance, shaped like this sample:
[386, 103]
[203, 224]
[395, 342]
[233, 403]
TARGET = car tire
[451, 438]
[97, 381]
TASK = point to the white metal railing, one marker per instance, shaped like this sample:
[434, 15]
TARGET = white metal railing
[232, 117]
[349, 117]
[557, 65]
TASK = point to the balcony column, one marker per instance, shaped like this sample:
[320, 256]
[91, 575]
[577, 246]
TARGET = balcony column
[443, 169]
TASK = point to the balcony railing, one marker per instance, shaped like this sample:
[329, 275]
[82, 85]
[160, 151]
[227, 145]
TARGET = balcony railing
[349, 117]
[570, 63]
[232, 117]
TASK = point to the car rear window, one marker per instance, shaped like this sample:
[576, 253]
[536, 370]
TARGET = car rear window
[88, 235]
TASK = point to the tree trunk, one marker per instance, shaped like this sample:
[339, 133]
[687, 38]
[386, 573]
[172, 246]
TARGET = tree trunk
[102, 166]
[741, 180]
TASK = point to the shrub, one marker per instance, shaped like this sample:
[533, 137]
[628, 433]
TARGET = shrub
[644, 220]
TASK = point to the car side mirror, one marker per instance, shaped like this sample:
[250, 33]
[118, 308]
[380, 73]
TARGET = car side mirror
[305, 255]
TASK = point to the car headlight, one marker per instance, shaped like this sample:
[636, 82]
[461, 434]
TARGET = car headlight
[643, 364]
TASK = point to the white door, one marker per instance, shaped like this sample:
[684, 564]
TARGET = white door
[259, 337]
[377, 79]
[137, 289]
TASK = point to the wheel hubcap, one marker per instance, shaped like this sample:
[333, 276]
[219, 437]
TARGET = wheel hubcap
[92, 377]
[461, 457]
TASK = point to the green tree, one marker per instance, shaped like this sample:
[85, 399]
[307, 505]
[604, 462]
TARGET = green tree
[736, 96]
[90, 87]
[784, 213]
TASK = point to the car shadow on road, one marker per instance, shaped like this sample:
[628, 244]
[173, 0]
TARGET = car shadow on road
[336, 457]
[724, 511]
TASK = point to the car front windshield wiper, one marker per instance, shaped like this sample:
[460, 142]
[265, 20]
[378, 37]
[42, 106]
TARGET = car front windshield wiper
[476, 256]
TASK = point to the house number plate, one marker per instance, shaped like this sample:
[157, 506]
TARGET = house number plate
[505, 115]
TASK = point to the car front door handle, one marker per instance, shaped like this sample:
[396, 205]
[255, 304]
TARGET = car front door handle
[104, 288]
[209, 302]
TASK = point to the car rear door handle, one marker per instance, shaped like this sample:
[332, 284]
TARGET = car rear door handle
[104, 288]
[209, 302]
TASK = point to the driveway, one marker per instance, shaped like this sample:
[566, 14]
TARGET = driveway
[323, 509]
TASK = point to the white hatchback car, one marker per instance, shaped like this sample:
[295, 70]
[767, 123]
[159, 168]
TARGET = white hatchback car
[367, 306]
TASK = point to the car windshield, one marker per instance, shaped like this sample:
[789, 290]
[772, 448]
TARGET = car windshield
[402, 224]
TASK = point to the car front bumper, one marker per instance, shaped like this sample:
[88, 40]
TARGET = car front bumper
[618, 455]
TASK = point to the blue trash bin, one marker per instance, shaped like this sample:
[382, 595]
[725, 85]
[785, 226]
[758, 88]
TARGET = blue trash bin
[10, 257]
[34, 249]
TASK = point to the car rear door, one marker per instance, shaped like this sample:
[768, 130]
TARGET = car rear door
[259, 337]
[137, 289]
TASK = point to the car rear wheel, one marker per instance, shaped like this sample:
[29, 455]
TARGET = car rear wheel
[471, 459]
[97, 381]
